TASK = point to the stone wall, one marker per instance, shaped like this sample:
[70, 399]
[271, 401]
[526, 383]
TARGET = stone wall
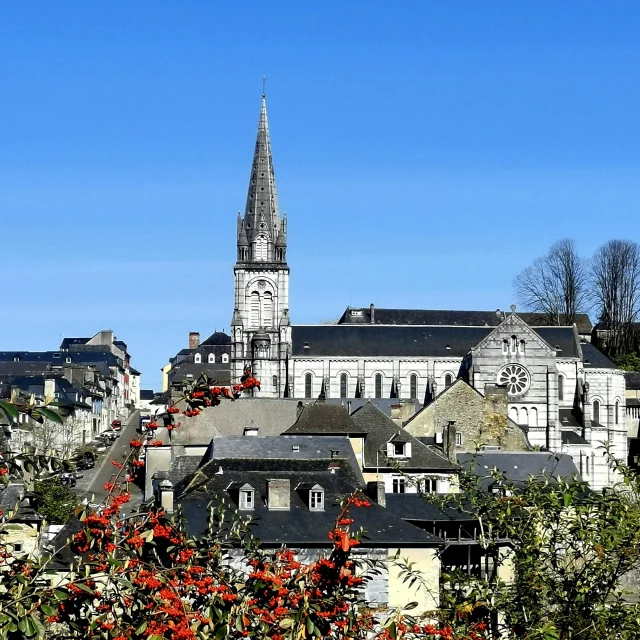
[480, 420]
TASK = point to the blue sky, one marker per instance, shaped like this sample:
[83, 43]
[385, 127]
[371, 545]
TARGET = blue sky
[425, 153]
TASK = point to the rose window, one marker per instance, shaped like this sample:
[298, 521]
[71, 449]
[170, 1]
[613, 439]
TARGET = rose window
[515, 378]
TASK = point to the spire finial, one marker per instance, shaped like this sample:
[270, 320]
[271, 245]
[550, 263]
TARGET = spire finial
[264, 85]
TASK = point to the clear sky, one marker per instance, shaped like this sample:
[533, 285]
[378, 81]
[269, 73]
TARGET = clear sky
[425, 152]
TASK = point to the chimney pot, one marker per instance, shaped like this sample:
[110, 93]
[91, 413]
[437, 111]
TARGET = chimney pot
[372, 313]
[164, 496]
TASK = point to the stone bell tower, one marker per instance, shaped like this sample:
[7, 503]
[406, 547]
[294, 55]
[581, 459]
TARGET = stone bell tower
[260, 327]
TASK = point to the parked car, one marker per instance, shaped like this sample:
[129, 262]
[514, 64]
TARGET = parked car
[84, 461]
[68, 479]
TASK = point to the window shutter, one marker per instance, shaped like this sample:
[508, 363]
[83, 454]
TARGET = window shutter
[407, 450]
[390, 450]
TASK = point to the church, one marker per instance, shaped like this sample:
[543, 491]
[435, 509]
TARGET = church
[560, 389]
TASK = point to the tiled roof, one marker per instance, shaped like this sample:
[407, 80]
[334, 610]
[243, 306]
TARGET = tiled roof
[413, 506]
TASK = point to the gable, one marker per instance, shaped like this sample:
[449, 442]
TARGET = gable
[513, 325]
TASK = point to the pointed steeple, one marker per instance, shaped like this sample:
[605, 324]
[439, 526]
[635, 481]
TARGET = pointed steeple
[262, 221]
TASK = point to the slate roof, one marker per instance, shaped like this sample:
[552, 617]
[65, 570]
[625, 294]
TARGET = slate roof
[220, 372]
[134, 372]
[413, 506]
[570, 418]
[217, 338]
[384, 404]
[321, 418]
[273, 416]
[595, 359]
[14, 495]
[571, 437]
[632, 380]
[298, 526]
[375, 340]
[518, 467]
[385, 341]
[380, 429]
[147, 394]
[441, 317]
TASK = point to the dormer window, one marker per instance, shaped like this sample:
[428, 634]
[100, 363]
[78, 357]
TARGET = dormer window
[316, 498]
[68, 360]
[197, 358]
[398, 449]
[225, 358]
[211, 359]
[247, 497]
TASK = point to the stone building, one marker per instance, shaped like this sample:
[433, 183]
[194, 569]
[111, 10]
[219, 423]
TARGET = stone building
[561, 392]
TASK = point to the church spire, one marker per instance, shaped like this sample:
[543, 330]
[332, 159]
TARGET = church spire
[262, 223]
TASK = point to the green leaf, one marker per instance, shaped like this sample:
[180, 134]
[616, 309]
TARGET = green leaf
[222, 632]
[48, 610]
[287, 623]
[9, 409]
[61, 595]
[141, 629]
[50, 415]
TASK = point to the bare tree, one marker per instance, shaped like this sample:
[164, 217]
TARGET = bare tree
[51, 438]
[555, 284]
[615, 280]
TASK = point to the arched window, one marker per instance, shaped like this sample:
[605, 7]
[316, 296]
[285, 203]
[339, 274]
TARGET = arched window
[514, 344]
[448, 380]
[522, 344]
[505, 346]
[513, 414]
[596, 411]
[617, 411]
[275, 383]
[533, 417]
[212, 358]
[308, 385]
[254, 309]
[197, 358]
[267, 309]
[225, 358]
[586, 462]
[413, 386]
[261, 248]
[343, 385]
[560, 388]
[378, 385]
[524, 417]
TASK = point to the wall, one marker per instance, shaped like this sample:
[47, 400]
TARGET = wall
[427, 593]
[479, 420]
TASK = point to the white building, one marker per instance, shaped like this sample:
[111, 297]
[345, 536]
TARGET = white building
[566, 393]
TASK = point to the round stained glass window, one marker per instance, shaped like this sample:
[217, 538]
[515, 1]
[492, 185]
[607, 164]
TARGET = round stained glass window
[515, 377]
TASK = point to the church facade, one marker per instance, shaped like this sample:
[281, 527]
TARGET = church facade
[565, 393]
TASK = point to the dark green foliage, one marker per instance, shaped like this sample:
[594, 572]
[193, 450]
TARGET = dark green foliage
[629, 362]
[56, 501]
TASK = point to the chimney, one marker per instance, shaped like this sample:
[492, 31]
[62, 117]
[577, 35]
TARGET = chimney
[194, 340]
[449, 441]
[372, 313]
[49, 389]
[164, 496]
[279, 494]
[376, 491]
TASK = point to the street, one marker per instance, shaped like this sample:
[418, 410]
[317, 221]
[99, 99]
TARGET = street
[91, 486]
